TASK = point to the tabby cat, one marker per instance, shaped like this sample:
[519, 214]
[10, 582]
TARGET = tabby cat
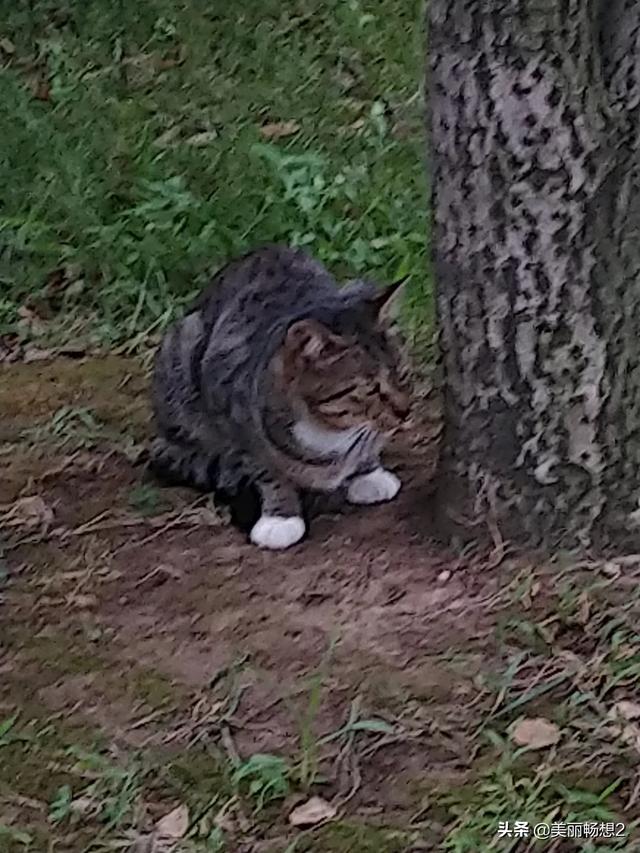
[279, 379]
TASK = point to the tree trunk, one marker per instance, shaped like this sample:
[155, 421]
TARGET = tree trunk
[535, 173]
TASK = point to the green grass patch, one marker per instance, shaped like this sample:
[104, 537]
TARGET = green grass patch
[134, 156]
[77, 790]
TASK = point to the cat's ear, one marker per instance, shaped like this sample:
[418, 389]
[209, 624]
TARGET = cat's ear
[308, 344]
[308, 339]
[387, 303]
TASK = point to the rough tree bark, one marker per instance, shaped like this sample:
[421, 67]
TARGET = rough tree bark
[535, 165]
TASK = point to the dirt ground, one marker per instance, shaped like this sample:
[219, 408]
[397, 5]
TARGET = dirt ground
[136, 617]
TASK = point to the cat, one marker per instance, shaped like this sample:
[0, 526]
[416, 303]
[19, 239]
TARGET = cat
[279, 379]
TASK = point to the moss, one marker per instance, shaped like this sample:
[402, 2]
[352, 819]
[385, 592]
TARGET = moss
[149, 687]
[38, 757]
[31, 393]
[33, 760]
[349, 837]
[31, 770]
[44, 659]
[196, 774]
[48, 659]
[61, 656]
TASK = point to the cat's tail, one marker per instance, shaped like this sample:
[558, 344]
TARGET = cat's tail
[181, 465]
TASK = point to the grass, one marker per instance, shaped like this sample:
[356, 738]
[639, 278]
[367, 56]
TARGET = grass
[65, 783]
[142, 145]
[79, 791]
[135, 156]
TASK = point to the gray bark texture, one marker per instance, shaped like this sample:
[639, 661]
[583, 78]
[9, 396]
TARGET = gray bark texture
[535, 169]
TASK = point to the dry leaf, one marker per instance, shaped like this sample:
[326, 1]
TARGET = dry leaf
[173, 58]
[200, 140]
[140, 68]
[26, 313]
[169, 137]
[82, 601]
[277, 129]
[314, 811]
[30, 320]
[10, 348]
[626, 710]
[42, 92]
[173, 825]
[40, 88]
[32, 353]
[535, 733]
[72, 350]
[630, 734]
[402, 130]
[345, 80]
[7, 46]
[85, 806]
[28, 512]
[225, 820]
[585, 608]
[612, 569]
[571, 657]
[628, 560]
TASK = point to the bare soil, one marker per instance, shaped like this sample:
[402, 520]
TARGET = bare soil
[163, 628]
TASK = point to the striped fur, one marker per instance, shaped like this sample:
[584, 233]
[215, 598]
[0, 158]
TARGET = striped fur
[268, 345]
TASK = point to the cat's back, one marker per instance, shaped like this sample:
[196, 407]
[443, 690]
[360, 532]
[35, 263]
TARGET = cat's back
[228, 328]
[263, 283]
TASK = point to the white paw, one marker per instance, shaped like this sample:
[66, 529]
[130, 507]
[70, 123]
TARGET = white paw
[277, 532]
[373, 488]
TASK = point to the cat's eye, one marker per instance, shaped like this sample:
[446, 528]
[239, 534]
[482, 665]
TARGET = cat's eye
[337, 395]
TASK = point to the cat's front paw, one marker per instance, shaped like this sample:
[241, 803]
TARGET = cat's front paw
[373, 488]
[277, 532]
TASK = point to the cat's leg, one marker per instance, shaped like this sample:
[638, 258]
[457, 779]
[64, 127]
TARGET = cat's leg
[281, 523]
[181, 464]
[373, 485]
